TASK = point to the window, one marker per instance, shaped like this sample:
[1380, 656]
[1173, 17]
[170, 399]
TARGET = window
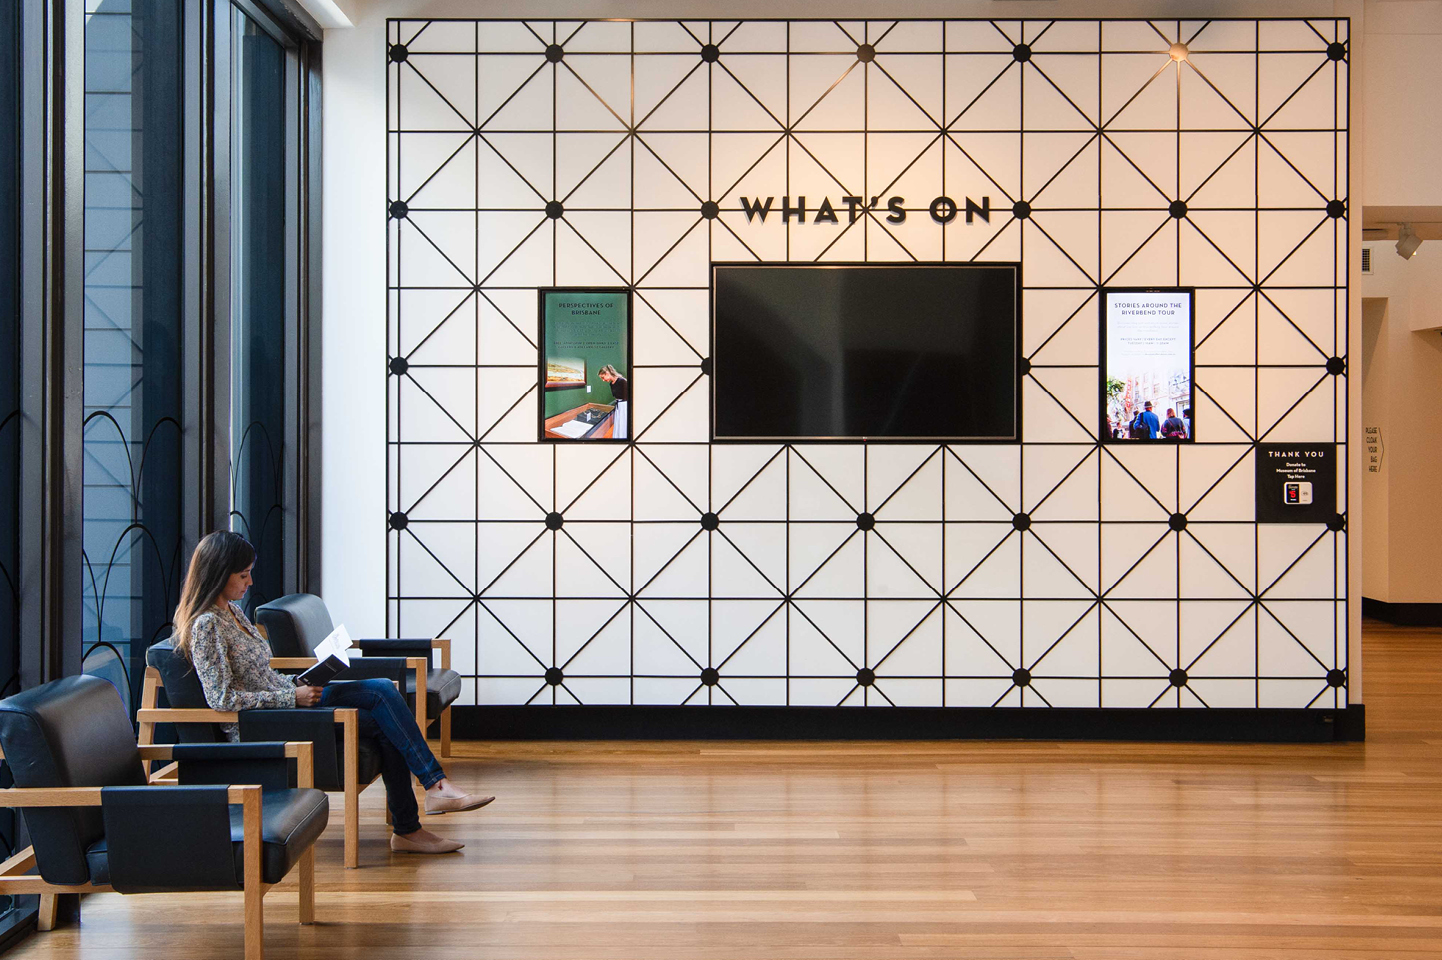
[133, 559]
[262, 319]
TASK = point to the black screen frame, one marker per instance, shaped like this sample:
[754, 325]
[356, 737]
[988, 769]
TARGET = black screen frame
[1017, 359]
[1103, 434]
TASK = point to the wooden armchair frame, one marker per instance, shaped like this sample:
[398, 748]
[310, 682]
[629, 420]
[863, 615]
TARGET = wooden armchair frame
[348, 717]
[15, 879]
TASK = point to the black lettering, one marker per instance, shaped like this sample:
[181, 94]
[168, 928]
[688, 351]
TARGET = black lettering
[757, 208]
[943, 209]
[983, 211]
[898, 212]
[825, 213]
[852, 205]
[799, 211]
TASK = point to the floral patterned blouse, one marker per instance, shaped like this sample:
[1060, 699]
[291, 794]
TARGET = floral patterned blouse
[232, 660]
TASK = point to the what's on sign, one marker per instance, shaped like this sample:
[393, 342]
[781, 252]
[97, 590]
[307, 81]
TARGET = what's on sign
[1296, 482]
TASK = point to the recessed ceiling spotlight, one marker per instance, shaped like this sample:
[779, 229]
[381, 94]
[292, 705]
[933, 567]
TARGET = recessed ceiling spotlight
[1407, 242]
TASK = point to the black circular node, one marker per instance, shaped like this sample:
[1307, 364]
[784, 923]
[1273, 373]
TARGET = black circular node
[1336, 208]
[1178, 677]
[399, 365]
[554, 53]
[1021, 53]
[865, 521]
[709, 521]
[710, 676]
[398, 520]
[1178, 522]
[705, 366]
[1336, 366]
[866, 676]
[555, 209]
[1021, 209]
[1336, 51]
[554, 676]
[399, 209]
[1336, 678]
[866, 53]
[710, 53]
[1021, 522]
[1178, 209]
[399, 53]
[1338, 523]
[1023, 366]
[710, 209]
[1021, 676]
[554, 521]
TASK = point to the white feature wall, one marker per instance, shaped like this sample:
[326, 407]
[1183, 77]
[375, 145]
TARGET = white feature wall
[1049, 572]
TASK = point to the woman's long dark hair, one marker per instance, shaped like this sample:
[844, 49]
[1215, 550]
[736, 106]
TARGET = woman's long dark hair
[217, 556]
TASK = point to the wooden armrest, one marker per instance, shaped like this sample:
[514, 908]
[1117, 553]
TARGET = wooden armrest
[302, 751]
[291, 663]
[443, 644]
[185, 715]
[22, 797]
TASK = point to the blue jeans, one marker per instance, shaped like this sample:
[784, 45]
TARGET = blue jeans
[385, 717]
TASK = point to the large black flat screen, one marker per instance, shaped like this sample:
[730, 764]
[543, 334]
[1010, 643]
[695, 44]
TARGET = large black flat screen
[846, 352]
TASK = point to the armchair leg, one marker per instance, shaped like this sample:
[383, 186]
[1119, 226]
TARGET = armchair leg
[351, 772]
[307, 886]
[254, 887]
[46, 919]
[446, 733]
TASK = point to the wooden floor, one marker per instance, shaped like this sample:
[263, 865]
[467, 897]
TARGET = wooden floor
[954, 850]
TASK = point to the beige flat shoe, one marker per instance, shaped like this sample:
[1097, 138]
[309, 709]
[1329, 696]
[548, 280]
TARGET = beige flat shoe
[455, 804]
[401, 844]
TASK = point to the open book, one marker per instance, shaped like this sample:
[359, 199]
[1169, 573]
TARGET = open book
[332, 656]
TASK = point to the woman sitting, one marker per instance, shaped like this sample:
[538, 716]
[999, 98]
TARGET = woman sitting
[233, 663]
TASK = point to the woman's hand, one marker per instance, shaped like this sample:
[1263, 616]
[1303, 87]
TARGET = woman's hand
[307, 696]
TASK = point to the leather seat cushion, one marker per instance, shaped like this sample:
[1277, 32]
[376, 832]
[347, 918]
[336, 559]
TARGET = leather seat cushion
[291, 820]
[442, 689]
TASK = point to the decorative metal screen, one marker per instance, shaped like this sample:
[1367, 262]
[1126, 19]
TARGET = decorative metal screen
[1055, 571]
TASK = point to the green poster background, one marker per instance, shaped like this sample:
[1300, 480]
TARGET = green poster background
[591, 326]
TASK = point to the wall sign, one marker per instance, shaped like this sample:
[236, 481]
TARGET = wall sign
[1146, 364]
[1375, 449]
[1296, 482]
[585, 364]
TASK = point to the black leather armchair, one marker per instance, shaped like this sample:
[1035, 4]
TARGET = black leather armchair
[93, 815]
[297, 623]
[344, 761]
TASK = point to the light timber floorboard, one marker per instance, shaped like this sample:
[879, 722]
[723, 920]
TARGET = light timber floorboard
[1033, 851]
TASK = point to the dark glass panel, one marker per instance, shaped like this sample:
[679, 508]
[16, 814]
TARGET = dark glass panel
[132, 369]
[258, 302]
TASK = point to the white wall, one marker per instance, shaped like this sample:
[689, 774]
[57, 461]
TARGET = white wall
[354, 245]
[1402, 394]
[1401, 73]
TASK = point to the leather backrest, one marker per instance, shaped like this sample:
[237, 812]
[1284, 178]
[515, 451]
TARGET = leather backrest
[295, 624]
[72, 732]
[182, 690]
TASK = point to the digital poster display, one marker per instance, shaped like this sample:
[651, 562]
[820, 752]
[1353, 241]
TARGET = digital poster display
[585, 364]
[1146, 365]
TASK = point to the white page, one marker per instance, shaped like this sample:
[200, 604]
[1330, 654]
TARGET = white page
[337, 644]
[574, 429]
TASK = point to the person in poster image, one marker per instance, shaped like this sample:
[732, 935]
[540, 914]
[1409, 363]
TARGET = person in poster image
[621, 390]
[1149, 419]
[1172, 427]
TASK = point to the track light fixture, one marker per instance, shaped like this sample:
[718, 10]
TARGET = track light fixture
[1407, 242]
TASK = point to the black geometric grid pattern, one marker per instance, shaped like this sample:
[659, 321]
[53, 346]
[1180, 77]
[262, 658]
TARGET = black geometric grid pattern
[1055, 571]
